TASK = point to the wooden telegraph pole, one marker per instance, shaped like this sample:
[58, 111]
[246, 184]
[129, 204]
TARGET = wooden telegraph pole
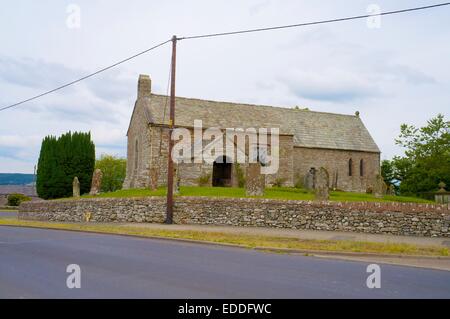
[169, 207]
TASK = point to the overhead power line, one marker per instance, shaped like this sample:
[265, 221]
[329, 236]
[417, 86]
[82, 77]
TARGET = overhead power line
[313, 23]
[84, 77]
[225, 34]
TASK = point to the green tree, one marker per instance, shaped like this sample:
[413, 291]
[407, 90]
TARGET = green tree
[114, 171]
[388, 172]
[427, 157]
[60, 160]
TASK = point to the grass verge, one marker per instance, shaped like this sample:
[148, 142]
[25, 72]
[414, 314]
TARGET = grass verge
[286, 193]
[249, 241]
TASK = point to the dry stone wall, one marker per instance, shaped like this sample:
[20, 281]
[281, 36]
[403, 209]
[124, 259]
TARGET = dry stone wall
[377, 218]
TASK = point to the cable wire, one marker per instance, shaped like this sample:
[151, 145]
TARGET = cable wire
[85, 77]
[312, 23]
[225, 34]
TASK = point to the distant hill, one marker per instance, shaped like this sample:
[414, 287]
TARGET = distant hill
[16, 179]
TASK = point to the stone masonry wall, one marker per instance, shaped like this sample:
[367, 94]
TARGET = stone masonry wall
[337, 162]
[377, 218]
[138, 150]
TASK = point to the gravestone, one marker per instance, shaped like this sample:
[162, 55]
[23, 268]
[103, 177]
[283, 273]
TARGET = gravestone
[255, 181]
[442, 196]
[321, 183]
[76, 187]
[309, 179]
[391, 190]
[176, 181]
[379, 187]
[334, 183]
[96, 182]
[154, 178]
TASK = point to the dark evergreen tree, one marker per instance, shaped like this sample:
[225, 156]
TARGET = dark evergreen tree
[60, 160]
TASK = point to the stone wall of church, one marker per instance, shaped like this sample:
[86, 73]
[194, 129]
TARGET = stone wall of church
[138, 151]
[336, 162]
[190, 173]
[294, 164]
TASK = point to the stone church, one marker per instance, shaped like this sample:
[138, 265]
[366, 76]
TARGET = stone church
[308, 140]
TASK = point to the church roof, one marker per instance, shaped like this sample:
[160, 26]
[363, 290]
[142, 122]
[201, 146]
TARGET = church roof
[309, 128]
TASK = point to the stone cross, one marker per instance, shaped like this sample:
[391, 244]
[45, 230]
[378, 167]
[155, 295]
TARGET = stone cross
[76, 187]
[96, 182]
[322, 182]
[255, 181]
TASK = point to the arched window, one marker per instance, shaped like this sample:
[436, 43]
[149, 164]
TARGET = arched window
[350, 167]
[136, 155]
[361, 167]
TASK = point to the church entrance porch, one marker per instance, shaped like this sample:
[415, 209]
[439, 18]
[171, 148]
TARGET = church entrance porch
[222, 172]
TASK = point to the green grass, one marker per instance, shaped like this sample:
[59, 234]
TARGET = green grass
[287, 193]
[244, 240]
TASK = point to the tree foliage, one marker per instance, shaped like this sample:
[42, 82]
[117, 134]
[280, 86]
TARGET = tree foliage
[388, 172]
[426, 162]
[60, 160]
[114, 171]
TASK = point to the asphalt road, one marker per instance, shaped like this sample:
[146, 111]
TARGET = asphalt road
[33, 265]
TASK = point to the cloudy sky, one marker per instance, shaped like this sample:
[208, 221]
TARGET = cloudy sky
[397, 73]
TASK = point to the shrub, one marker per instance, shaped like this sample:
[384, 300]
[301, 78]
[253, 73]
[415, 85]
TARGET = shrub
[114, 171]
[203, 180]
[240, 175]
[16, 199]
[279, 181]
[299, 181]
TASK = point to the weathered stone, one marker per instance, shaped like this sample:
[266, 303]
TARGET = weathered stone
[309, 179]
[255, 181]
[154, 178]
[391, 190]
[176, 181]
[96, 182]
[321, 183]
[379, 187]
[368, 217]
[76, 187]
[299, 148]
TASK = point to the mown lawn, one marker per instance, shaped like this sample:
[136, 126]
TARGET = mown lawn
[274, 193]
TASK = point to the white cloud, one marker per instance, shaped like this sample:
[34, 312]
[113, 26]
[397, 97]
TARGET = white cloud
[393, 75]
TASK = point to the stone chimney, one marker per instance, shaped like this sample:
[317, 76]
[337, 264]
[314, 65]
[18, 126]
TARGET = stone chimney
[144, 86]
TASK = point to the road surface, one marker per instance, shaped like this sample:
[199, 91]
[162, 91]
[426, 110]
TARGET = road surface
[33, 265]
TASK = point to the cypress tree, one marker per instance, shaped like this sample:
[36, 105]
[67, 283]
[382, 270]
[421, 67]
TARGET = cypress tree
[60, 160]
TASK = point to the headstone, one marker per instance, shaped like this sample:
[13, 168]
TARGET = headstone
[309, 179]
[96, 182]
[334, 183]
[255, 181]
[154, 178]
[76, 187]
[176, 182]
[391, 190]
[321, 183]
[379, 187]
[442, 196]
